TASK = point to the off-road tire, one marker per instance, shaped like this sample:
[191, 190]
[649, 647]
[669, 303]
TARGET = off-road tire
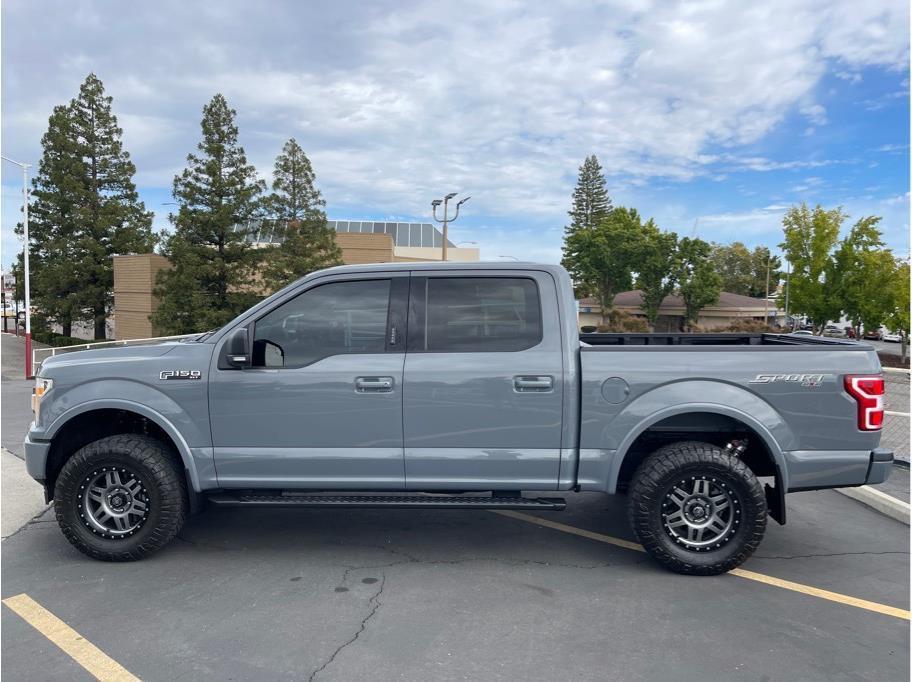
[672, 464]
[163, 484]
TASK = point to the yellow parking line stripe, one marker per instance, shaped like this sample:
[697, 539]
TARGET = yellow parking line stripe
[86, 654]
[822, 594]
[902, 614]
[617, 542]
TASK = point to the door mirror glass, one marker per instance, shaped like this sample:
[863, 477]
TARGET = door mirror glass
[237, 352]
[268, 354]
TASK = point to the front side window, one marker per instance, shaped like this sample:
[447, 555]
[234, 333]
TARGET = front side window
[482, 314]
[331, 319]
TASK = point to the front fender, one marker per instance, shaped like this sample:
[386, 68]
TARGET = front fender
[604, 448]
[190, 435]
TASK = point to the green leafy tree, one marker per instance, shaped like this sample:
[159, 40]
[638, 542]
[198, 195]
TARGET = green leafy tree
[656, 268]
[214, 263]
[111, 219]
[765, 268]
[744, 271]
[56, 202]
[863, 273]
[734, 264]
[591, 205]
[898, 318]
[295, 207]
[605, 256]
[810, 237]
[698, 282]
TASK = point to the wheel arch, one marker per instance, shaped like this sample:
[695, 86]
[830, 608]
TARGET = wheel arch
[719, 421]
[97, 419]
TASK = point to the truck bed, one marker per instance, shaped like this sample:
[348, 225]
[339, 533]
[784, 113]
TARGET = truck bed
[721, 339]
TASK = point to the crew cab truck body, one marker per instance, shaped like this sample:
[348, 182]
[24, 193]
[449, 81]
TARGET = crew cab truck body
[376, 385]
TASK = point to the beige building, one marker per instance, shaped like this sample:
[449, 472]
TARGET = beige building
[729, 309]
[360, 241]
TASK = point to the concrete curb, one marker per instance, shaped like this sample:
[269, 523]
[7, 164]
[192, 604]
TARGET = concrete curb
[896, 370]
[878, 501]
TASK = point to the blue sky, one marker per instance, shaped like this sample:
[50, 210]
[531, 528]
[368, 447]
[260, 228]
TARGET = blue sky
[712, 117]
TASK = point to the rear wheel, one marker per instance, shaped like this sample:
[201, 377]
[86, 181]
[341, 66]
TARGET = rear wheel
[697, 509]
[120, 498]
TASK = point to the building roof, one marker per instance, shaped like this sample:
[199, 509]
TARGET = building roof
[634, 299]
[403, 234]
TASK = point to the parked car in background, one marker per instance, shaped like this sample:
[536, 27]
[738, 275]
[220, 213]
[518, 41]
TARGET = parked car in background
[873, 335]
[833, 331]
[892, 337]
[803, 332]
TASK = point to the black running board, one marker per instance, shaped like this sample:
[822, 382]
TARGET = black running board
[388, 501]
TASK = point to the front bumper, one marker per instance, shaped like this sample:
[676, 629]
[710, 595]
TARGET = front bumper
[880, 466]
[36, 454]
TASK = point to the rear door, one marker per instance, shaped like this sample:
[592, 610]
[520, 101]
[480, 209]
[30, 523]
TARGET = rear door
[483, 382]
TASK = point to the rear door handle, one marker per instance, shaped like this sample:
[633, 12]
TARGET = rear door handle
[374, 384]
[533, 384]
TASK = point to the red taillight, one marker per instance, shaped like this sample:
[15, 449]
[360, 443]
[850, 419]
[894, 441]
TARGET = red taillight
[868, 392]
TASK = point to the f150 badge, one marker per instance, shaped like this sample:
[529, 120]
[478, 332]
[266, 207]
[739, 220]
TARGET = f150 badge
[807, 380]
[169, 374]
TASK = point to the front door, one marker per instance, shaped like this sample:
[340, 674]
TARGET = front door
[483, 382]
[321, 405]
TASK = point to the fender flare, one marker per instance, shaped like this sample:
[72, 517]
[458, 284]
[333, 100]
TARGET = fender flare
[183, 448]
[775, 498]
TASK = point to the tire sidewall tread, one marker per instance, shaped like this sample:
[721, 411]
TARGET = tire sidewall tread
[165, 485]
[647, 490]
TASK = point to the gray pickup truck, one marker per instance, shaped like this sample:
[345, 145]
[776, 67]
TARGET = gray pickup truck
[452, 386]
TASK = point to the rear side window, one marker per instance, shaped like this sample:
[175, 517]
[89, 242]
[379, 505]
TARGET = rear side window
[331, 319]
[481, 314]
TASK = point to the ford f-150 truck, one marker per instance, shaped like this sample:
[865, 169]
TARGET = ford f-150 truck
[452, 385]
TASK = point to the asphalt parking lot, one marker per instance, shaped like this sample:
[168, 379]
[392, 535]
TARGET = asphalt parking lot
[394, 594]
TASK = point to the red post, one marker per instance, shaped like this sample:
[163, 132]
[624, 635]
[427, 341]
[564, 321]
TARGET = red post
[28, 356]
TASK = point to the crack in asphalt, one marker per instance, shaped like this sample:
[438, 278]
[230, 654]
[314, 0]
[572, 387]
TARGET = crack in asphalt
[815, 556]
[375, 604]
[34, 521]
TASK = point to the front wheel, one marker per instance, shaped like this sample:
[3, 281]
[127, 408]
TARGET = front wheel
[120, 498]
[697, 509]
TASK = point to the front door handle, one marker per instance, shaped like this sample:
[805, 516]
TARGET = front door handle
[531, 384]
[374, 384]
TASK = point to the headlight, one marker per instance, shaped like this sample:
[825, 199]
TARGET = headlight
[42, 386]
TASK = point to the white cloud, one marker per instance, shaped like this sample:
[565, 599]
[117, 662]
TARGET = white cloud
[397, 102]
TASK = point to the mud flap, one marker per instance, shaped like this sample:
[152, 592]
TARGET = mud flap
[775, 501]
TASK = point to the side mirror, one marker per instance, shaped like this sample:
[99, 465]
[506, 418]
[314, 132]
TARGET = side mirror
[238, 354]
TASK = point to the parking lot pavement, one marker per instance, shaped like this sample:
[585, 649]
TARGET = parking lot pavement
[897, 485]
[395, 594]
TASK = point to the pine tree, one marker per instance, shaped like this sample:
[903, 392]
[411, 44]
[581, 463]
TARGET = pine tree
[58, 193]
[111, 219]
[296, 209]
[214, 262]
[591, 205]
[591, 202]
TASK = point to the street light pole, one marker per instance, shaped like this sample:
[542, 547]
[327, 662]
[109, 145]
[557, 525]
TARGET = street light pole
[25, 232]
[788, 278]
[446, 219]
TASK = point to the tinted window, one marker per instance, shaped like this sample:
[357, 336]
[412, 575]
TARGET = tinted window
[336, 318]
[482, 314]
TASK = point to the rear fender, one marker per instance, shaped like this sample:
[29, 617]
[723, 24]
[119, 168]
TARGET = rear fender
[678, 398]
